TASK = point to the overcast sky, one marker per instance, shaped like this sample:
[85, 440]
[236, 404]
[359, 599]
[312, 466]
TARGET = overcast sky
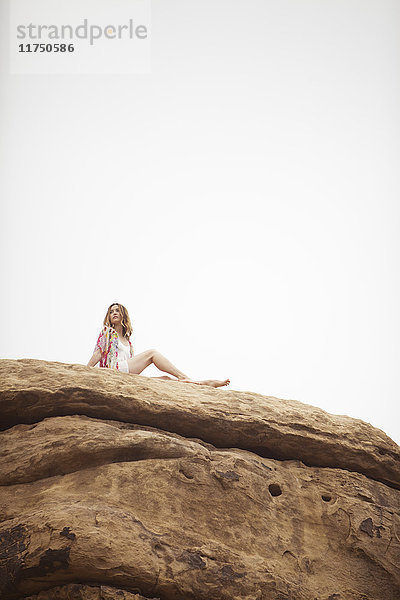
[241, 199]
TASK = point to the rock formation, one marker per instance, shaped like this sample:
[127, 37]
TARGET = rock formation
[122, 487]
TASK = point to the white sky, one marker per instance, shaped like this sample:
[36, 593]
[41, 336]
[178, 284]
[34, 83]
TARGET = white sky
[241, 200]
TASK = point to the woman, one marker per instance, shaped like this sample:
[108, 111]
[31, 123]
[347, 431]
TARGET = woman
[114, 350]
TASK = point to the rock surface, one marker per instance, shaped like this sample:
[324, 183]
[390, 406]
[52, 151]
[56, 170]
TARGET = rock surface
[85, 592]
[31, 390]
[120, 487]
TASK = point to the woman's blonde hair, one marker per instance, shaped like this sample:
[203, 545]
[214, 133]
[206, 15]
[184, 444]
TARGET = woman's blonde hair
[126, 322]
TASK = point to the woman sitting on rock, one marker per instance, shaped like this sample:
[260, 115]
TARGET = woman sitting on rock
[114, 350]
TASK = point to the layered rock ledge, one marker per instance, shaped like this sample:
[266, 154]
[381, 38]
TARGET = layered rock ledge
[121, 487]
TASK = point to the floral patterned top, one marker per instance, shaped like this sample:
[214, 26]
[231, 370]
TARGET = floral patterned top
[107, 343]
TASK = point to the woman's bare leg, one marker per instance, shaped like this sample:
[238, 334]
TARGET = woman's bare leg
[141, 361]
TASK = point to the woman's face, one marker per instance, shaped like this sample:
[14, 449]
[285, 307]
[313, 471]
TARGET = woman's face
[115, 315]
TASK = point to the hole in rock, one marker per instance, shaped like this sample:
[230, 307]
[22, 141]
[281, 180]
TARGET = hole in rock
[275, 489]
[326, 497]
[186, 474]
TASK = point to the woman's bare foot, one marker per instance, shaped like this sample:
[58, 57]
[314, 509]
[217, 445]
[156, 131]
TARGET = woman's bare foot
[215, 382]
[210, 382]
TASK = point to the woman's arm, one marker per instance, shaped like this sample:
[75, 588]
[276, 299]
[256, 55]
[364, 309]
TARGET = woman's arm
[95, 359]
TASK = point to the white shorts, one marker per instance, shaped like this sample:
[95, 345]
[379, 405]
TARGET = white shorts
[123, 366]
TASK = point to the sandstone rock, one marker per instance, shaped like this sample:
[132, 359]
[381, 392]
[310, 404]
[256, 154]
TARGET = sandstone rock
[119, 505]
[61, 445]
[31, 390]
[85, 592]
